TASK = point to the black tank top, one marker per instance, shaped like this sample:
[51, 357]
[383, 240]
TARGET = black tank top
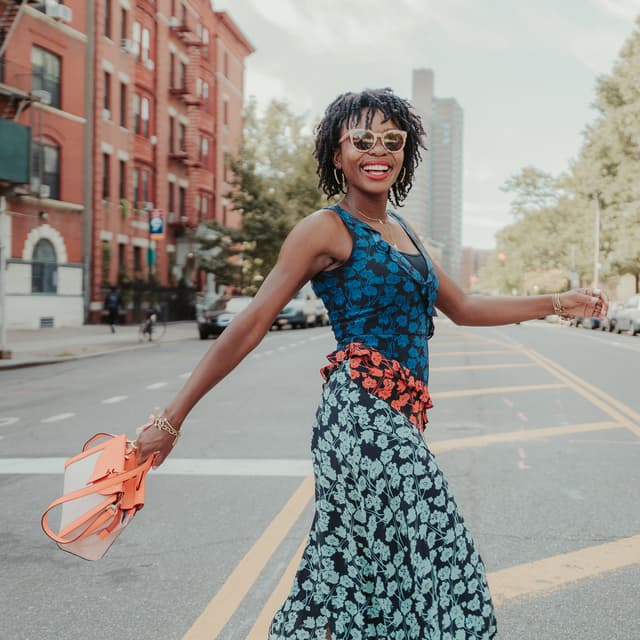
[418, 263]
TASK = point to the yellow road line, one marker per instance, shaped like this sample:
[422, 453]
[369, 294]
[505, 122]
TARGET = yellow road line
[224, 604]
[543, 576]
[472, 367]
[617, 410]
[461, 393]
[260, 629]
[441, 446]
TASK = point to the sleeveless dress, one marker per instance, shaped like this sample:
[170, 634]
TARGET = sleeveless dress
[388, 555]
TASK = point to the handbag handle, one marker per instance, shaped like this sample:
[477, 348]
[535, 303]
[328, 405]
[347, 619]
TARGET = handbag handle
[141, 470]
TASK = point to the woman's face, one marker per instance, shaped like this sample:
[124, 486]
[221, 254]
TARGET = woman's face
[373, 171]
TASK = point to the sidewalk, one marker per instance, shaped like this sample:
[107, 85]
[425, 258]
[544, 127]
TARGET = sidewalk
[32, 347]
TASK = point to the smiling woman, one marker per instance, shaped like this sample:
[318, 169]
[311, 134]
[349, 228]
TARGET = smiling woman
[388, 554]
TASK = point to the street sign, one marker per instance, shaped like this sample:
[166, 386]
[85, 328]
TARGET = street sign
[156, 224]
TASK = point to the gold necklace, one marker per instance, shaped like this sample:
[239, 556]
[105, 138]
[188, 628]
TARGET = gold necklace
[384, 223]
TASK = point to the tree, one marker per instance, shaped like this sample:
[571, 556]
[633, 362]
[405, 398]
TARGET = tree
[534, 190]
[218, 251]
[274, 186]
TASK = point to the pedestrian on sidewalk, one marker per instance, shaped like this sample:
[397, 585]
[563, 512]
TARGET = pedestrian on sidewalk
[388, 554]
[113, 304]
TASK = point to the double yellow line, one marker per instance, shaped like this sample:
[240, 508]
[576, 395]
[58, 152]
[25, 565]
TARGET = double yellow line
[512, 583]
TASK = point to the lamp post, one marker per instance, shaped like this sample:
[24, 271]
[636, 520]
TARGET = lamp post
[5, 353]
[596, 247]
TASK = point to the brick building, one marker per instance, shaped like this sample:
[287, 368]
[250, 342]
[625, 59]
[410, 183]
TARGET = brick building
[42, 54]
[142, 130]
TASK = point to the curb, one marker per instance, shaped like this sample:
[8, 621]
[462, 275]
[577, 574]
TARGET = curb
[83, 356]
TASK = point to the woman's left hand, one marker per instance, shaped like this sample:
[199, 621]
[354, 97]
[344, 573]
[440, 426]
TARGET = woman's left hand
[585, 303]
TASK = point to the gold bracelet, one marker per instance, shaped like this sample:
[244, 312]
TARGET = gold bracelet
[558, 309]
[162, 423]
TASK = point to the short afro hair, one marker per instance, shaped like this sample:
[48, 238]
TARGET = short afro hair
[347, 109]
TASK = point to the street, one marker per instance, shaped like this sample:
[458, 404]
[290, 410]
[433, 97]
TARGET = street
[536, 426]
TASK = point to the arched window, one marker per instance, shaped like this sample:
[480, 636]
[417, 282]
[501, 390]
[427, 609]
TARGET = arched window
[44, 268]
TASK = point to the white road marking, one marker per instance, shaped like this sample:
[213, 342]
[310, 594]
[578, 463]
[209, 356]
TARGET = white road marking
[176, 467]
[58, 417]
[322, 335]
[282, 348]
[114, 399]
[8, 421]
[257, 355]
[157, 385]
[187, 374]
[270, 352]
[522, 457]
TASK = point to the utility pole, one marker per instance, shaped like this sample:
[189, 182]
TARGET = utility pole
[596, 247]
[4, 249]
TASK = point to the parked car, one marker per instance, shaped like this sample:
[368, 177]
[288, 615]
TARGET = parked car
[610, 322]
[301, 311]
[322, 315]
[628, 318]
[219, 315]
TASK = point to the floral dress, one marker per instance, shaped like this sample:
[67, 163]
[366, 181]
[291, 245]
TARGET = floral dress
[388, 555]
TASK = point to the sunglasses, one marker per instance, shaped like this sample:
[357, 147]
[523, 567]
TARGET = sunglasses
[364, 139]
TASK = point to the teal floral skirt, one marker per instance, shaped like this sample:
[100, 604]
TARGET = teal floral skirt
[388, 554]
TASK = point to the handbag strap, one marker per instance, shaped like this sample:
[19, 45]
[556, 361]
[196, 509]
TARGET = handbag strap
[139, 471]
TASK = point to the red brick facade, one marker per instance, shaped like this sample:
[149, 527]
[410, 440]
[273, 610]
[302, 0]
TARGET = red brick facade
[165, 109]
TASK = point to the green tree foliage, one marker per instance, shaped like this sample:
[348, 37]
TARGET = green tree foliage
[275, 184]
[554, 217]
[218, 252]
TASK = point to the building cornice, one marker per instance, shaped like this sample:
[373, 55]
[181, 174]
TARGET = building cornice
[69, 31]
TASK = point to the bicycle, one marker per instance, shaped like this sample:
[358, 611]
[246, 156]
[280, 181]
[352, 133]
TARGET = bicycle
[153, 327]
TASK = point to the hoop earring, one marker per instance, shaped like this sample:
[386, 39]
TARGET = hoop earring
[337, 179]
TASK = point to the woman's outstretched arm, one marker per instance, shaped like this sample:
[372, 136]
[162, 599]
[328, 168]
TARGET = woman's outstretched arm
[308, 249]
[477, 310]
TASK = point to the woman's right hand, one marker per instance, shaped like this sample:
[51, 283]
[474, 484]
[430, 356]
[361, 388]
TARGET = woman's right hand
[152, 440]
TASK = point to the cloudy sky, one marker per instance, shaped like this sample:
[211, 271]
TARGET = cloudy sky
[524, 72]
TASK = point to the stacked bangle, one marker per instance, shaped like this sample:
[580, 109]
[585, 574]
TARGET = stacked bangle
[558, 309]
[162, 423]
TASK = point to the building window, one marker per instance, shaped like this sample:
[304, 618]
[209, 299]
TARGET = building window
[106, 176]
[46, 73]
[182, 137]
[225, 112]
[145, 185]
[226, 64]
[45, 167]
[122, 257]
[137, 37]
[123, 24]
[107, 18]
[144, 114]
[136, 113]
[136, 186]
[107, 95]
[205, 207]
[137, 259]
[106, 261]
[182, 79]
[146, 41]
[205, 44]
[172, 135]
[205, 96]
[182, 202]
[44, 268]
[204, 151]
[172, 70]
[123, 105]
[171, 198]
[122, 180]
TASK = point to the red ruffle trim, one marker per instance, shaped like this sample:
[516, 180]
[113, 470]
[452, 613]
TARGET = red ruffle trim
[384, 378]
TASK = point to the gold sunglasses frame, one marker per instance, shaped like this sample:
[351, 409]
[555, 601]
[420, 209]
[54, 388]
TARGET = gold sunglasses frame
[376, 136]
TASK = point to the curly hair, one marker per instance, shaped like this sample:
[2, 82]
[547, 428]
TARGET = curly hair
[347, 109]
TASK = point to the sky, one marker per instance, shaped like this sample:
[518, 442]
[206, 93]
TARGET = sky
[523, 71]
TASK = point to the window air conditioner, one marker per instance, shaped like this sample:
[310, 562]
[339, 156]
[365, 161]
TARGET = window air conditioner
[42, 96]
[129, 46]
[44, 191]
[149, 64]
[148, 206]
[106, 114]
[174, 22]
[34, 183]
[59, 12]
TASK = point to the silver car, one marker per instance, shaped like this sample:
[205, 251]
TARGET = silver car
[629, 316]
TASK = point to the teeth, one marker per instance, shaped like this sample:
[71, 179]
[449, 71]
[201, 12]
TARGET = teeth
[376, 167]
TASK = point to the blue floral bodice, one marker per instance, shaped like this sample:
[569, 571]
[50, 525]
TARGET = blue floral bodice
[378, 298]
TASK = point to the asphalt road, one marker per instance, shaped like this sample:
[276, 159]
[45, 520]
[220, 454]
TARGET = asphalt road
[536, 426]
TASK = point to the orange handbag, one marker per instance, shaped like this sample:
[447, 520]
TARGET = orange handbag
[103, 489]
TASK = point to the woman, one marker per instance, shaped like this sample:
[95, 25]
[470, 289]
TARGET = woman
[388, 555]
